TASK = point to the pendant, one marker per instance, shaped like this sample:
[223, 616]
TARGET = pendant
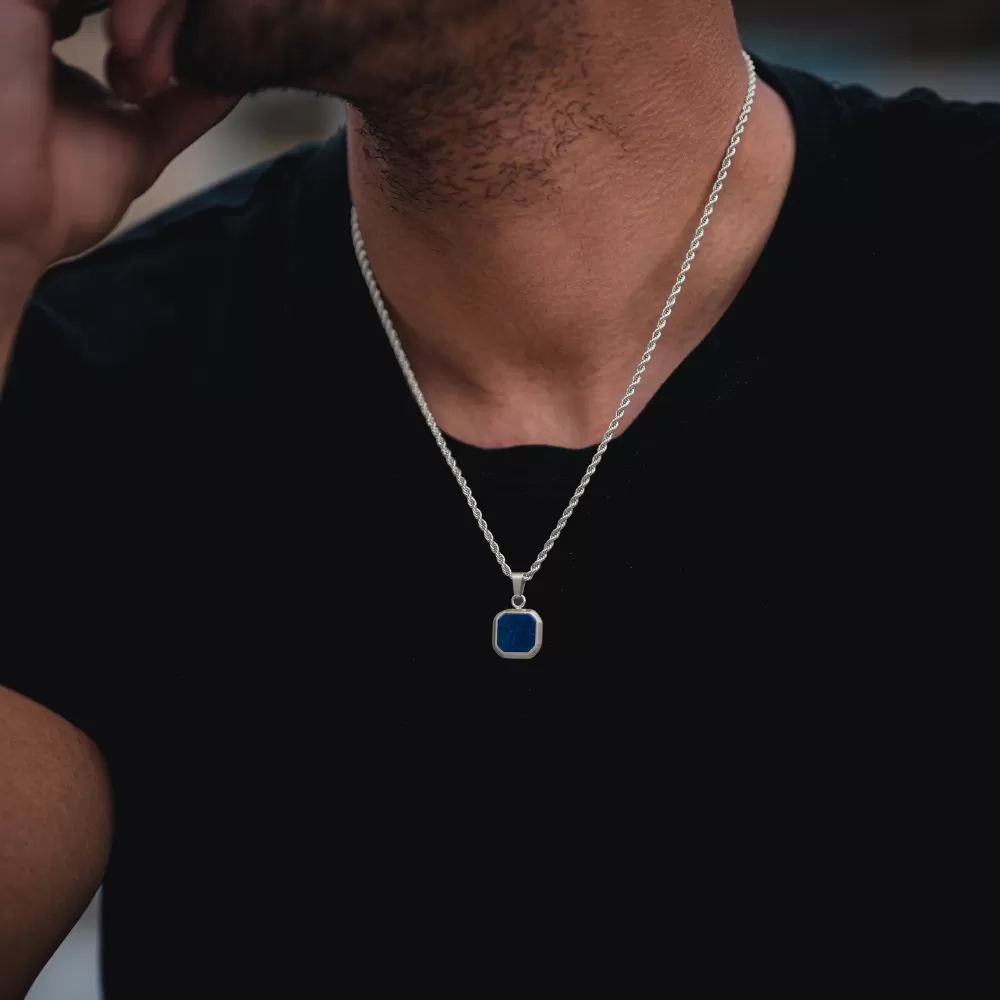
[517, 634]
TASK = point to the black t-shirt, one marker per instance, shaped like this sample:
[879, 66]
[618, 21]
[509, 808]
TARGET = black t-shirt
[234, 557]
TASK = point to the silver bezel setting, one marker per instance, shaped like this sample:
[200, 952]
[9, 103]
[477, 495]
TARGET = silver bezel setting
[538, 634]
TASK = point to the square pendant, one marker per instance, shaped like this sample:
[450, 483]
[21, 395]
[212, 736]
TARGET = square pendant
[517, 635]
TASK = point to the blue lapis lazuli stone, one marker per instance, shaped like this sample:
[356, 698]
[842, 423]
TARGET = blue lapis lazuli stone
[516, 633]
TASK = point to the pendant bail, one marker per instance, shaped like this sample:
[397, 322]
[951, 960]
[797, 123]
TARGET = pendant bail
[518, 600]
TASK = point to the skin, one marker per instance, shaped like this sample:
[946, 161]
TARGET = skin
[540, 164]
[74, 156]
[55, 835]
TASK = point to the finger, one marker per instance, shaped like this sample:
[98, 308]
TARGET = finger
[137, 78]
[25, 57]
[172, 122]
[25, 44]
[123, 77]
[130, 24]
[158, 54]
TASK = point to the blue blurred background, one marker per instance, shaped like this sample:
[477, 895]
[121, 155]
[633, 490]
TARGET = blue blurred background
[889, 45]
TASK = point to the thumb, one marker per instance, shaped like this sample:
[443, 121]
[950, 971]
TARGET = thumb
[171, 122]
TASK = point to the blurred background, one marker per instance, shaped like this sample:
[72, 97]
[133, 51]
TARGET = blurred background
[889, 45]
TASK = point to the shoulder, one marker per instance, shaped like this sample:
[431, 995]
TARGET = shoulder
[146, 302]
[884, 277]
[920, 137]
[893, 196]
[900, 143]
[858, 108]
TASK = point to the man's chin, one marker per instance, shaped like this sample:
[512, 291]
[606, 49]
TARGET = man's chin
[209, 54]
[235, 47]
[232, 62]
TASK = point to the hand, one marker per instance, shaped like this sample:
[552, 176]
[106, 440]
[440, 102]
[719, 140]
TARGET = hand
[73, 154]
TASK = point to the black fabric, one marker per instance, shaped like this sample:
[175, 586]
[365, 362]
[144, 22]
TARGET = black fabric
[235, 558]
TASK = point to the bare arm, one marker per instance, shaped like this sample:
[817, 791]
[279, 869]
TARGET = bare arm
[55, 835]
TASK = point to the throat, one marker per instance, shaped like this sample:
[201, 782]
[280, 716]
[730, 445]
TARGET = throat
[524, 312]
[536, 404]
[531, 419]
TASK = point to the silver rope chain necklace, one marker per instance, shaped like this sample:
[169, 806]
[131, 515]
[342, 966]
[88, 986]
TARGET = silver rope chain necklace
[517, 633]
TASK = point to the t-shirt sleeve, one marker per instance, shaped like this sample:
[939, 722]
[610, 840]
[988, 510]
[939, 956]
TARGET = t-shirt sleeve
[114, 350]
[69, 434]
[41, 433]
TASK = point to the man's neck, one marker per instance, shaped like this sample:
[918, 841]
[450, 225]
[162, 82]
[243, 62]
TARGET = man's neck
[526, 239]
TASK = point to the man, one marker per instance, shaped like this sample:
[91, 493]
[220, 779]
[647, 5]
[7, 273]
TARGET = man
[247, 606]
